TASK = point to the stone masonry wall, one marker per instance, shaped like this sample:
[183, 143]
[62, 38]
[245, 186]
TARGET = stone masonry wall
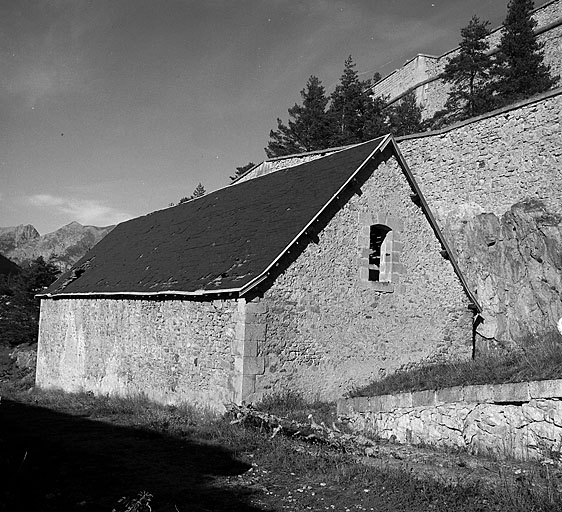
[521, 420]
[329, 330]
[493, 161]
[421, 73]
[480, 169]
[168, 350]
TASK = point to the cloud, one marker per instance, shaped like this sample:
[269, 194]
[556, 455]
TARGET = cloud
[45, 54]
[85, 211]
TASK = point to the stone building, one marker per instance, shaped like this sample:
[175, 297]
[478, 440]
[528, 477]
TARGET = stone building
[315, 278]
[422, 73]
[493, 184]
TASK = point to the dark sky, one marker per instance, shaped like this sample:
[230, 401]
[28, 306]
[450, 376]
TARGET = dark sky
[112, 109]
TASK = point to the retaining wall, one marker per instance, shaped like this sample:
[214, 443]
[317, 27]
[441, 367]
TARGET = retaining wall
[492, 161]
[521, 420]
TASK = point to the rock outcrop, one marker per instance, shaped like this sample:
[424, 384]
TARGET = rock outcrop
[62, 247]
[514, 262]
[14, 236]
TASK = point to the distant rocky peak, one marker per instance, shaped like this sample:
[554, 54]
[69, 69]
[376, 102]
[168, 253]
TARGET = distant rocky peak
[14, 236]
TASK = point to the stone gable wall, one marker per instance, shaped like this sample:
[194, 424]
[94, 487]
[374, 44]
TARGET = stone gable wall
[326, 330]
[421, 73]
[521, 420]
[169, 350]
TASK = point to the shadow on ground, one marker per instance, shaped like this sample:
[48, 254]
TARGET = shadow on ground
[57, 462]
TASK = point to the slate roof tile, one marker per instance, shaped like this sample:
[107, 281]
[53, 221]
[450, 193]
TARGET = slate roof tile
[220, 241]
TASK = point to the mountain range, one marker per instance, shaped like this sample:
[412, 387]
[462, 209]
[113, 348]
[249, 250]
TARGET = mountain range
[62, 247]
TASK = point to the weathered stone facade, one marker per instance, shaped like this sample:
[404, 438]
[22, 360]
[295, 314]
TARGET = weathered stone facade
[327, 329]
[320, 325]
[521, 420]
[483, 167]
[493, 161]
[421, 74]
[169, 350]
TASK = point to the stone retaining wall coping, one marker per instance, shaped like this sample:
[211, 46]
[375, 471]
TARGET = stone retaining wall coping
[513, 392]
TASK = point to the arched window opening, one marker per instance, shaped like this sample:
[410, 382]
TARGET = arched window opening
[380, 252]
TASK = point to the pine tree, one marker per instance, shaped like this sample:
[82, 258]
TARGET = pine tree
[468, 72]
[519, 68]
[406, 116]
[354, 115]
[199, 191]
[19, 308]
[242, 170]
[307, 129]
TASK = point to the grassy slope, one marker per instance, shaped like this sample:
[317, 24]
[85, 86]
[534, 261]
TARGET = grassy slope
[76, 452]
[536, 361]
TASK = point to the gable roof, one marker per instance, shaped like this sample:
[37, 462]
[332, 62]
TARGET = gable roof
[225, 241]
[220, 242]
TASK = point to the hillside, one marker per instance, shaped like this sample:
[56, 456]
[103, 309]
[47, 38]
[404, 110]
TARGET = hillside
[62, 247]
[7, 266]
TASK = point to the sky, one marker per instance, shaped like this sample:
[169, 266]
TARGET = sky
[111, 109]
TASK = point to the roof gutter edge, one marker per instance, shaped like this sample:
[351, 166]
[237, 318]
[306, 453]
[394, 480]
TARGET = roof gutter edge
[197, 293]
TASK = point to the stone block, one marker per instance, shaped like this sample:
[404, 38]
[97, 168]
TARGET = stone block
[256, 306]
[365, 219]
[392, 402]
[343, 406]
[423, 398]
[546, 388]
[449, 395]
[237, 347]
[363, 240]
[511, 392]
[395, 224]
[482, 394]
[255, 318]
[254, 365]
[364, 274]
[398, 267]
[251, 348]
[255, 332]
[362, 261]
[382, 287]
[361, 404]
[240, 331]
[349, 406]
[248, 385]
[375, 404]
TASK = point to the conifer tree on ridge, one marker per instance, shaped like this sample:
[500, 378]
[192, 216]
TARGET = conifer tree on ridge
[469, 72]
[519, 69]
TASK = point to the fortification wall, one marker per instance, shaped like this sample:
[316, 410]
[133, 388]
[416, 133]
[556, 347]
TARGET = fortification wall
[169, 350]
[492, 161]
[472, 175]
[421, 74]
[330, 329]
